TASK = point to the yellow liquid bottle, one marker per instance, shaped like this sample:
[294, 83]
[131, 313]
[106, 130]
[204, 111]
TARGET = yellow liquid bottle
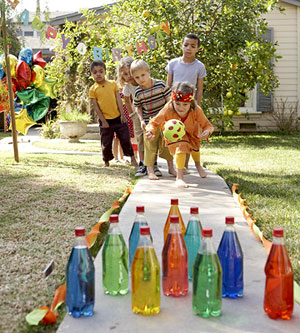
[145, 277]
[174, 210]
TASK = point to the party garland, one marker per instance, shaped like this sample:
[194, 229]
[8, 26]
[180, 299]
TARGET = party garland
[48, 315]
[257, 232]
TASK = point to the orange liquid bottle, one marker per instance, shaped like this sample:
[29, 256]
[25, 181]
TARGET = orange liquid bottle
[175, 262]
[174, 210]
[279, 292]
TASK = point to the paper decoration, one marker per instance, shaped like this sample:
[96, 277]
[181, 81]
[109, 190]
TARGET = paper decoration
[81, 48]
[97, 51]
[128, 49]
[141, 48]
[165, 27]
[51, 33]
[14, 3]
[23, 122]
[152, 42]
[37, 24]
[24, 17]
[65, 41]
[116, 53]
[159, 36]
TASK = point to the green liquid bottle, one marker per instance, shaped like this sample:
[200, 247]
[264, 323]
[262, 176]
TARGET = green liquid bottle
[115, 261]
[207, 279]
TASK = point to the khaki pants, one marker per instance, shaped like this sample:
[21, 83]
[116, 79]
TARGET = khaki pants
[154, 148]
[138, 132]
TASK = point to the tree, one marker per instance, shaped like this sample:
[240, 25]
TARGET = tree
[11, 31]
[232, 47]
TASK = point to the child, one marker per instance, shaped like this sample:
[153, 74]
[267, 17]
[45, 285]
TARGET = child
[187, 68]
[197, 127]
[129, 85]
[149, 98]
[108, 106]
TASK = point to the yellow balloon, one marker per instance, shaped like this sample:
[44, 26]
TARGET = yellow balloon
[23, 122]
[12, 62]
[39, 75]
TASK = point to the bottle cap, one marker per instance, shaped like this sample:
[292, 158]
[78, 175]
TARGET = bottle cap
[140, 209]
[207, 232]
[79, 231]
[145, 230]
[229, 220]
[194, 210]
[174, 201]
[278, 232]
[174, 219]
[114, 218]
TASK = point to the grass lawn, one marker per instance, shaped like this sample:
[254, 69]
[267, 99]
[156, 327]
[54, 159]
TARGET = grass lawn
[267, 169]
[43, 198]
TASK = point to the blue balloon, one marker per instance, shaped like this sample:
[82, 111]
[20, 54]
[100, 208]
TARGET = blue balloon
[2, 74]
[26, 55]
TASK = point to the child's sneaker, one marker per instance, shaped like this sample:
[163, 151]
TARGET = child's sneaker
[142, 170]
[156, 170]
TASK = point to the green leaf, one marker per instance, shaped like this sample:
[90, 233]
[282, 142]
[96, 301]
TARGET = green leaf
[35, 316]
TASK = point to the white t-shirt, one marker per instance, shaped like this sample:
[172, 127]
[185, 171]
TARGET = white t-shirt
[189, 72]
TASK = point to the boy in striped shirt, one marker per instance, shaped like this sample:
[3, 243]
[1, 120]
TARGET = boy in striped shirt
[149, 98]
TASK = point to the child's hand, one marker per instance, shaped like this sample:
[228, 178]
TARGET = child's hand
[123, 119]
[143, 125]
[105, 124]
[149, 136]
[204, 135]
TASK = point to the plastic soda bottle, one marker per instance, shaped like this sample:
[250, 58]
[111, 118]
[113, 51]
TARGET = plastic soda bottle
[279, 292]
[145, 277]
[231, 259]
[175, 280]
[174, 210]
[115, 261]
[192, 237]
[135, 231]
[80, 278]
[207, 279]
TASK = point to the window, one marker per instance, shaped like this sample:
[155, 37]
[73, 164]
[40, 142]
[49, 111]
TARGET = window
[28, 33]
[20, 33]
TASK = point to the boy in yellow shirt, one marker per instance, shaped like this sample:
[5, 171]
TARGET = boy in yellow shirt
[107, 103]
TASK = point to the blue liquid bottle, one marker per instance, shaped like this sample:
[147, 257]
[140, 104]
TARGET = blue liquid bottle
[231, 258]
[192, 238]
[135, 231]
[80, 278]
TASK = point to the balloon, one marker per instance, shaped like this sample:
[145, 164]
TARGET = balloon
[12, 62]
[38, 59]
[174, 130]
[23, 74]
[15, 84]
[39, 109]
[39, 76]
[30, 96]
[26, 55]
[48, 88]
[1, 68]
[23, 122]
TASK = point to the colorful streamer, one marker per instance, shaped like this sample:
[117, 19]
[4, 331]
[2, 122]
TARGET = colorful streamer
[257, 232]
[48, 315]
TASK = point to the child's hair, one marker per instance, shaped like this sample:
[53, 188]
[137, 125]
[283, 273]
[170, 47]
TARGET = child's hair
[192, 36]
[185, 88]
[124, 63]
[137, 65]
[96, 63]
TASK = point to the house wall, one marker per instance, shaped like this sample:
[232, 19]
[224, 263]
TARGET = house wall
[287, 33]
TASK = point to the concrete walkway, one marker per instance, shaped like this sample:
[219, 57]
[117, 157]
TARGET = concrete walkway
[215, 201]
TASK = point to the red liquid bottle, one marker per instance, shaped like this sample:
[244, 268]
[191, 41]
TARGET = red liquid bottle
[174, 210]
[175, 262]
[279, 292]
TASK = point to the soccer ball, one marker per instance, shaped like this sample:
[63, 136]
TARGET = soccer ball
[174, 130]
